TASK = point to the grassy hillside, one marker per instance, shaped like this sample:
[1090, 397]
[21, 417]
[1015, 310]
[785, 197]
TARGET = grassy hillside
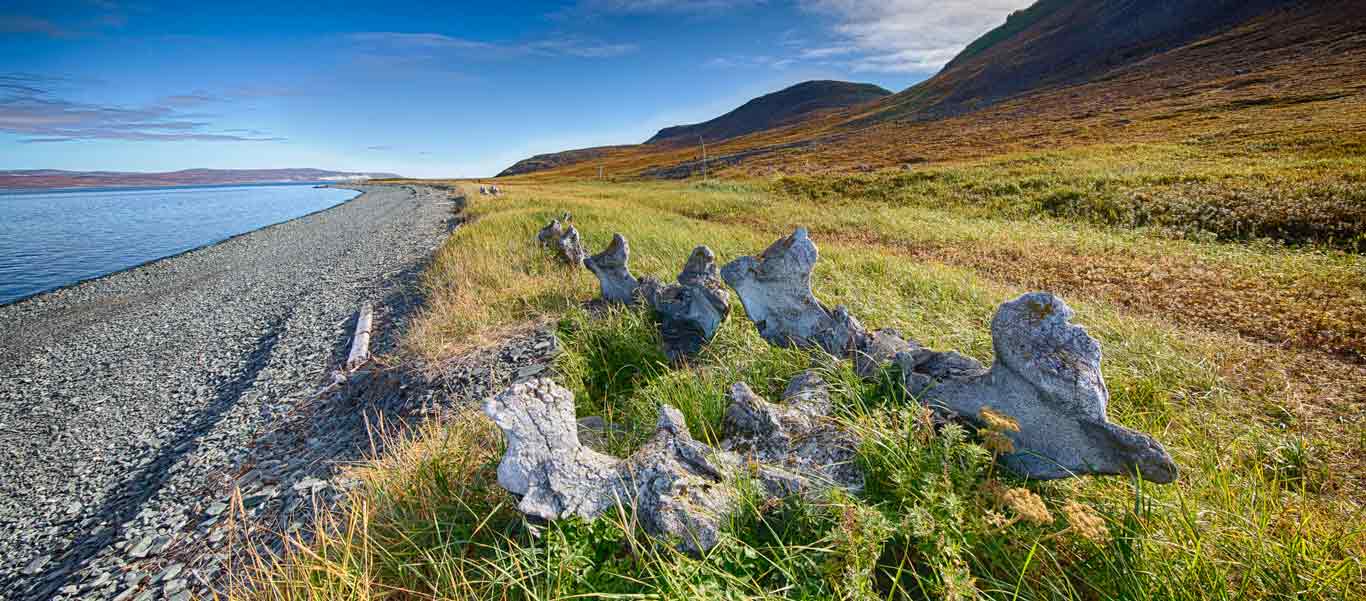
[1244, 357]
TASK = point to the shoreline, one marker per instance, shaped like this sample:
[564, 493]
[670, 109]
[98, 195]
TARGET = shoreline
[37, 296]
[129, 401]
[68, 190]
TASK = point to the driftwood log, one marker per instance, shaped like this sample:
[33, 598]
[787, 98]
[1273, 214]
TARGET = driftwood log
[360, 341]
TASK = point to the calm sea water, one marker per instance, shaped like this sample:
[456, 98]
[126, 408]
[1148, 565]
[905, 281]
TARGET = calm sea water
[52, 239]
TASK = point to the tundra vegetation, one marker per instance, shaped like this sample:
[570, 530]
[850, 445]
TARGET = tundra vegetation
[1224, 284]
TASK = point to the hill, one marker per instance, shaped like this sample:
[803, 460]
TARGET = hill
[46, 179]
[1066, 72]
[552, 160]
[774, 110]
[789, 105]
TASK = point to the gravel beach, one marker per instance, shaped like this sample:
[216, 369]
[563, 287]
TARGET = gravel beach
[123, 399]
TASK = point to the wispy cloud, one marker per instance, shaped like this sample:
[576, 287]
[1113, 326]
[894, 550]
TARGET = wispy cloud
[647, 7]
[430, 45]
[828, 51]
[580, 48]
[750, 62]
[906, 36]
[192, 99]
[30, 106]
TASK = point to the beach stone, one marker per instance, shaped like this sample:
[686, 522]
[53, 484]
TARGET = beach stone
[775, 289]
[691, 311]
[613, 272]
[1046, 376]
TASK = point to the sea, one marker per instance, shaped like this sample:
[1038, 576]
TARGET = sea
[52, 239]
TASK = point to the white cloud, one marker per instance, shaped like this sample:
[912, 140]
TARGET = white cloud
[749, 62]
[828, 51]
[906, 36]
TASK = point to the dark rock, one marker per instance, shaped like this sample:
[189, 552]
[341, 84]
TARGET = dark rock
[691, 311]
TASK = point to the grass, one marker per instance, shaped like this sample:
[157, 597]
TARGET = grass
[1205, 223]
[1209, 343]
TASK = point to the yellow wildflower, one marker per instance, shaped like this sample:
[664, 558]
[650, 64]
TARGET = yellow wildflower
[1028, 506]
[998, 443]
[1084, 520]
[996, 520]
[997, 421]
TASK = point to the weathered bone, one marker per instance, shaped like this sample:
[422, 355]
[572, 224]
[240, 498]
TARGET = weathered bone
[798, 447]
[564, 239]
[775, 289]
[880, 348]
[692, 310]
[1047, 376]
[550, 233]
[676, 485]
[571, 248]
[614, 274]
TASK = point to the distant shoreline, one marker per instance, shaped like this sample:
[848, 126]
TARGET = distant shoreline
[135, 188]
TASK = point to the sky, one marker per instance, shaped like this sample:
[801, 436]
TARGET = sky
[425, 89]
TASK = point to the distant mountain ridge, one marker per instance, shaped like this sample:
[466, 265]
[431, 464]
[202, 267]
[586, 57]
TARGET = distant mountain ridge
[779, 108]
[46, 179]
[552, 160]
[789, 105]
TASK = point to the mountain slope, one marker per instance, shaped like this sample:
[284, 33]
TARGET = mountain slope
[1076, 72]
[794, 104]
[1059, 42]
[774, 110]
[552, 160]
[39, 179]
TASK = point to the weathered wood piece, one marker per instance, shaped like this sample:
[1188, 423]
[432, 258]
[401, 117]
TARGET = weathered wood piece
[360, 341]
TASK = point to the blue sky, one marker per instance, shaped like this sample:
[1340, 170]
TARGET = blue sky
[425, 88]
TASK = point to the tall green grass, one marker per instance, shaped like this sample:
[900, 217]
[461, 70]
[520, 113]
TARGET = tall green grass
[936, 520]
[1265, 507]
